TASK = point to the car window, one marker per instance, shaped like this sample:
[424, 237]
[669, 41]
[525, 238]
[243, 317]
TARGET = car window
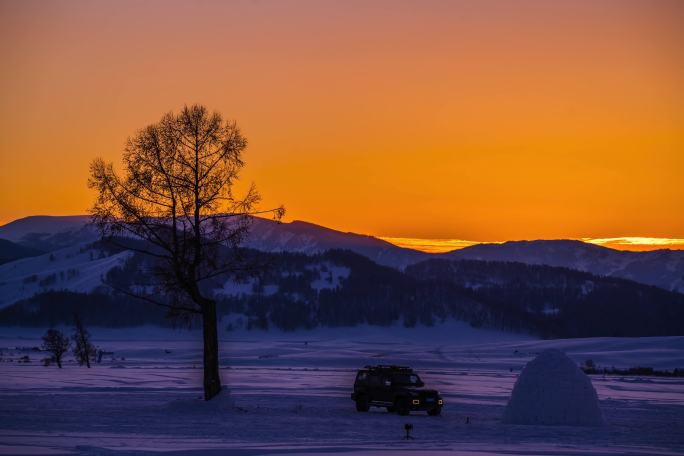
[406, 379]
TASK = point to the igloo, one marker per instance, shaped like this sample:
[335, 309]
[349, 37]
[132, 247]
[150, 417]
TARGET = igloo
[551, 389]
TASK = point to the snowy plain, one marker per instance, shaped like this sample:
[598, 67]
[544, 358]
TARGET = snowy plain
[288, 393]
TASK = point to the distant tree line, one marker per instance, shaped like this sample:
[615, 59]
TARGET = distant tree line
[298, 291]
[561, 302]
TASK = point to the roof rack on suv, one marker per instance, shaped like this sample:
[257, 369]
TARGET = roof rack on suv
[388, 367]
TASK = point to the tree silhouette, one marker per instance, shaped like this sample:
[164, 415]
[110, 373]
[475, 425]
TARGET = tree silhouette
[56, 343]
[177, 196]
[83, 348]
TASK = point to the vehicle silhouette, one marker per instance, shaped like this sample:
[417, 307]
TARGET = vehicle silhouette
[397, 388]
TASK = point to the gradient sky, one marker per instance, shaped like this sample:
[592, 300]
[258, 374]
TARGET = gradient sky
[477, 120]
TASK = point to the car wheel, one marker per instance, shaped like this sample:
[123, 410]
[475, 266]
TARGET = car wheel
[435, 411]
[362, 405]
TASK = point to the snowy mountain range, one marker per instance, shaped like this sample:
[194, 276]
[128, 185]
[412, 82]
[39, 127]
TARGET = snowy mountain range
[304, 237]
[661, 268]
[59, 256]
[49, 233]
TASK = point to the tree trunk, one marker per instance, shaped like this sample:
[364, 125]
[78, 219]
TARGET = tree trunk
[212, 381]
[59, 362]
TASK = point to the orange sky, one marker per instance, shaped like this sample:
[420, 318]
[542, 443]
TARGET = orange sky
[478, 120]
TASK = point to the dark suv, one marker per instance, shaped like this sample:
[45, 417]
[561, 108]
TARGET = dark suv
[397, 388]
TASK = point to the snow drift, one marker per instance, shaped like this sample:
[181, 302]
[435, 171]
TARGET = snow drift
[552, 390]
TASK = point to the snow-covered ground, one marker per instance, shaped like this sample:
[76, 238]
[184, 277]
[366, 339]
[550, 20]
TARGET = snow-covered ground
[289, 394]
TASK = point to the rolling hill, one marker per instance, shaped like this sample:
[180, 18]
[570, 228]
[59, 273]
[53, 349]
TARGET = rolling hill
[661, 268]
[10, 251]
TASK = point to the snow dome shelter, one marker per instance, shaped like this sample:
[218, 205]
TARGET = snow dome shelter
[551, 389]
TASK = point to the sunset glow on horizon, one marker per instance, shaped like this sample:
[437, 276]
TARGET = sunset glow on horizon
[424, 122]
[636, 244]
[432, 245]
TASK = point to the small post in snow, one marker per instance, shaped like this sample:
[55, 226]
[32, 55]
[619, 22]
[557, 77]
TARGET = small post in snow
[407, 428]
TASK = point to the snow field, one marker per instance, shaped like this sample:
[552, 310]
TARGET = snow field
[289, 394]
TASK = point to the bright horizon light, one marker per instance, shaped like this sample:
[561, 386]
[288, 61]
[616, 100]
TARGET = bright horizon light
[632, 243]
[638, 243]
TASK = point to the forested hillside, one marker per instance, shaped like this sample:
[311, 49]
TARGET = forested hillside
[340, 288]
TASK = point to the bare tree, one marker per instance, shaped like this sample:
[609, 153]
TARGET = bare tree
[177, 196]
[83, 348]
[55, 342]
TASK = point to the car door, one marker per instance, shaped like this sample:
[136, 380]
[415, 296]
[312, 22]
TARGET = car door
[374, 383]
[386, 389]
